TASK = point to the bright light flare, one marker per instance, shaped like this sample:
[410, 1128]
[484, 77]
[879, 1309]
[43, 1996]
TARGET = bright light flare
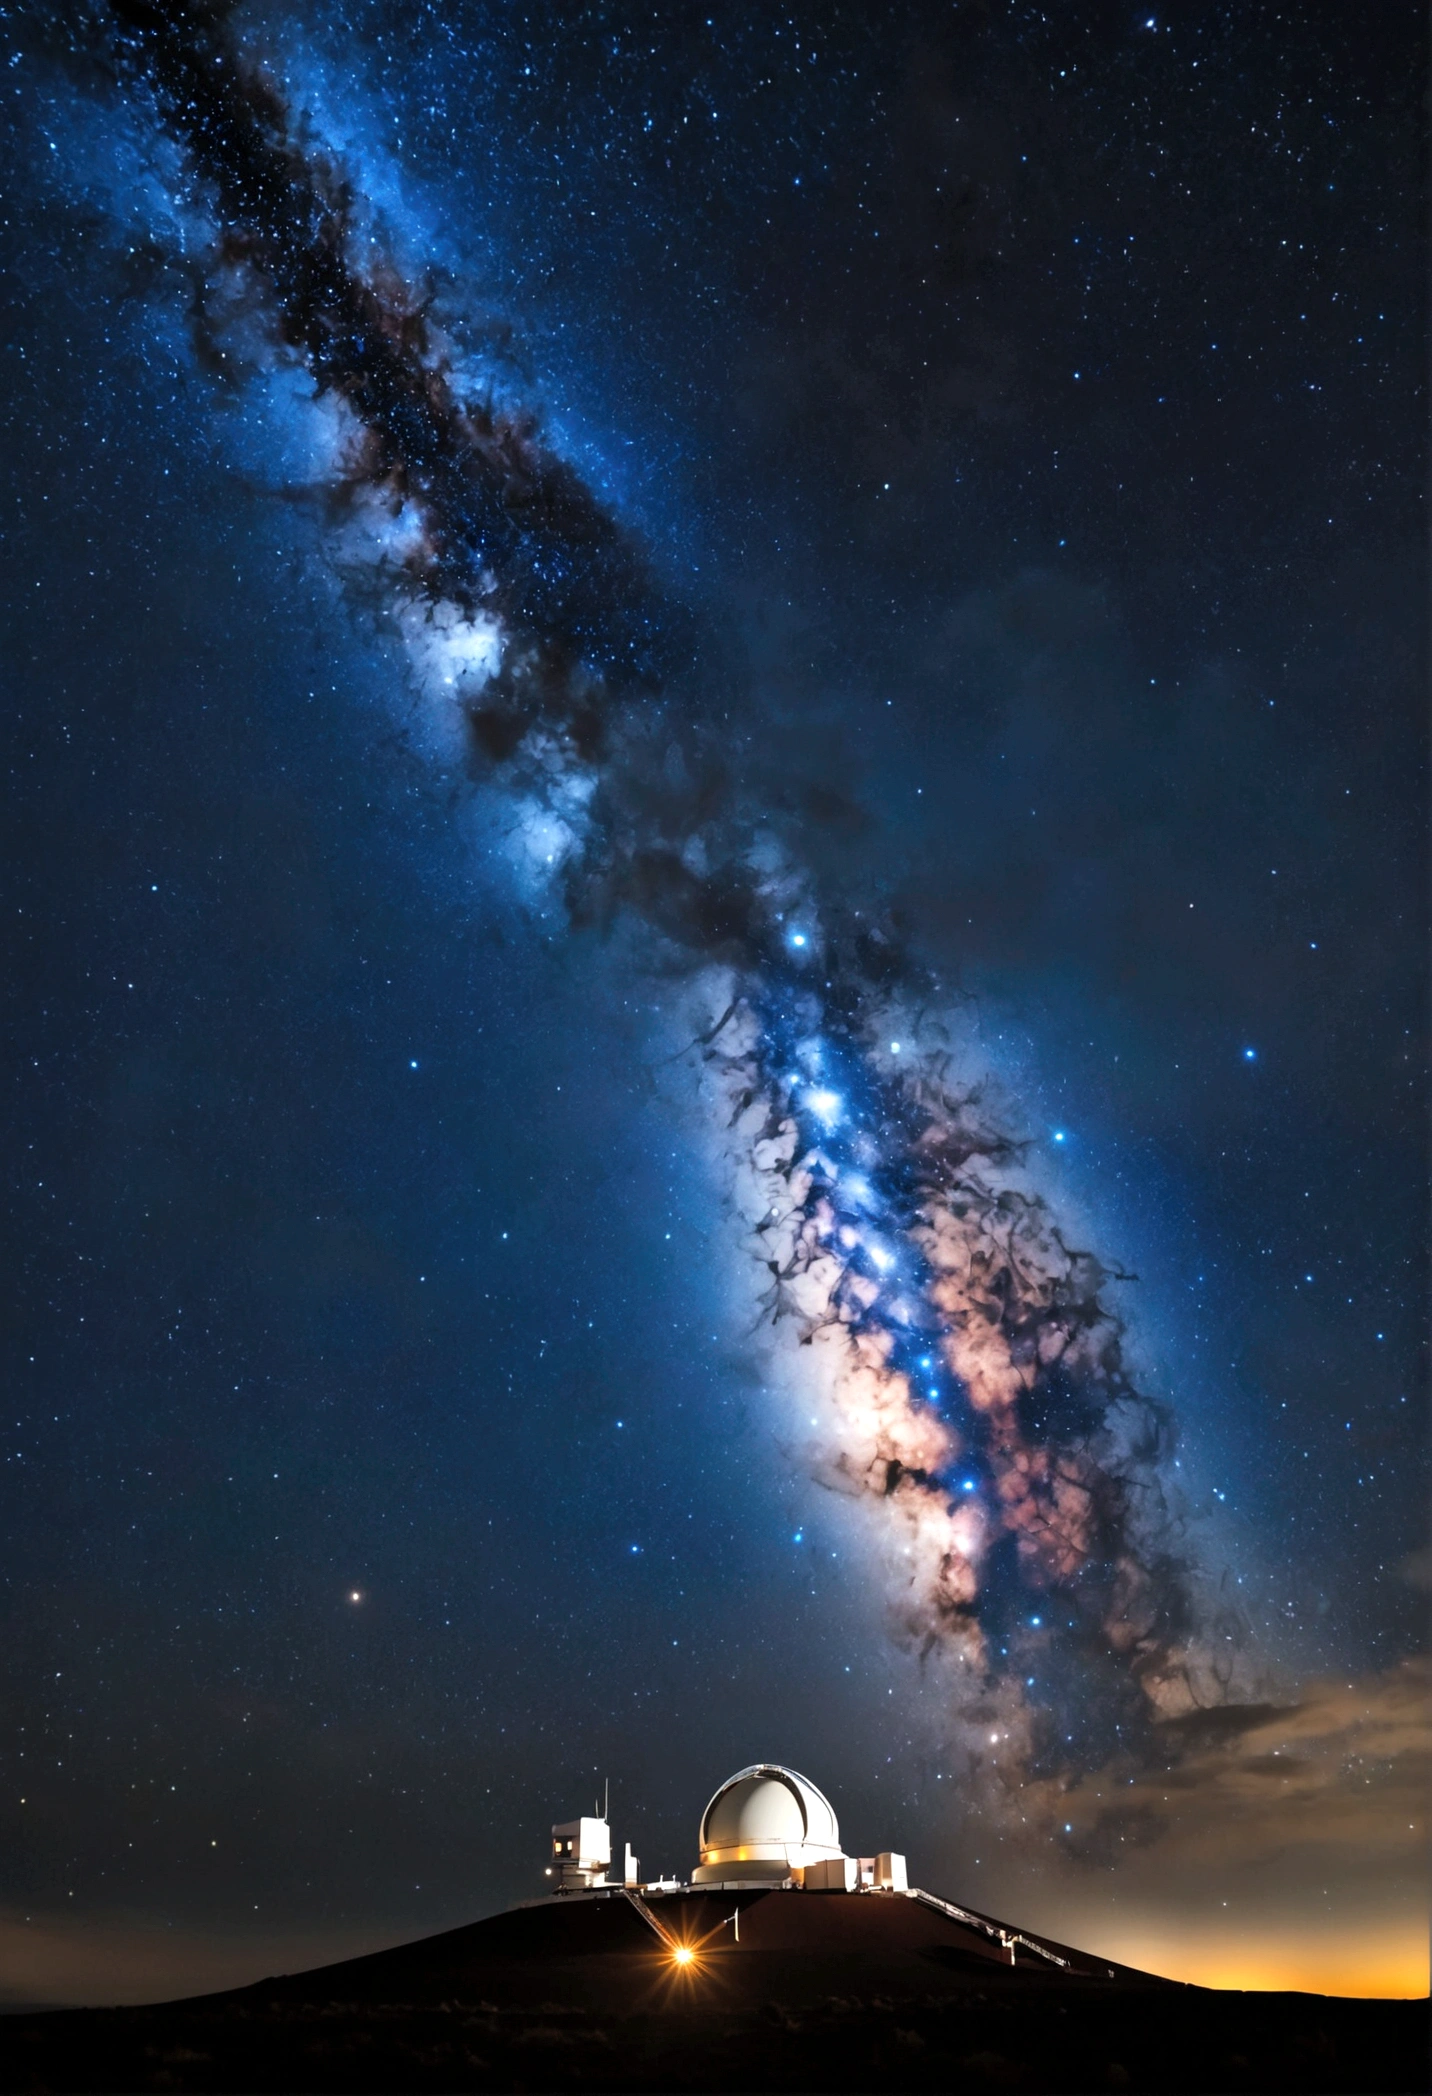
[683, 1955]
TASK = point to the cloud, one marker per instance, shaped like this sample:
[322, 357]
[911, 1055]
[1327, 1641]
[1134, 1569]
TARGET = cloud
[1341, 1771]
[1280, 1843]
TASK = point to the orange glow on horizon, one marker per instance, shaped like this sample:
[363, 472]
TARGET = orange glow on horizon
[1383, 1964]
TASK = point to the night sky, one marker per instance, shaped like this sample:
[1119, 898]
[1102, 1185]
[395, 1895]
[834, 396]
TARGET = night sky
[815, 529]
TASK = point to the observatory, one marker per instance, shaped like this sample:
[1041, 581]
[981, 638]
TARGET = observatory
[768, 1825]
[769, 1833]
[767, 1828]
[764, 1823]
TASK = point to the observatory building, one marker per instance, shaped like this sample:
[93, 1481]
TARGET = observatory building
[764, 1823]
[767, 1825]
[766, 1829]
[767, 1837]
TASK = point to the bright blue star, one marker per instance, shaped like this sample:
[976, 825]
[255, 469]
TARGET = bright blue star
[1250, 1055]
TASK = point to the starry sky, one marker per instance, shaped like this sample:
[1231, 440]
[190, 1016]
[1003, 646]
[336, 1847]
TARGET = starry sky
[1017, 420]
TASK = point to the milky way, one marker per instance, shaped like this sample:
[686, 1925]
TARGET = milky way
[973, 1390]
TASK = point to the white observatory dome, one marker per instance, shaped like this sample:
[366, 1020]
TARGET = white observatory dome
[765, 1822]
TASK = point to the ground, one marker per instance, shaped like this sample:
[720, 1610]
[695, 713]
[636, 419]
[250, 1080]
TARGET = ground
[822, 1991]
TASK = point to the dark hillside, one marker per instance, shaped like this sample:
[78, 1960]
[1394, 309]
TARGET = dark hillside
[820, 1992]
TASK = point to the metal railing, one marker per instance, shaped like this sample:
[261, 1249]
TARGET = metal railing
[1007, 1938]
[647, 1916]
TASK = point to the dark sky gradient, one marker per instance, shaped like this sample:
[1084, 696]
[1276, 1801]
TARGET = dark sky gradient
[1035, 408]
